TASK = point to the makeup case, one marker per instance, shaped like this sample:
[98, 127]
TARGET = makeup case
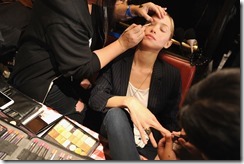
[19, 144]
[69, 135]
[23, 107]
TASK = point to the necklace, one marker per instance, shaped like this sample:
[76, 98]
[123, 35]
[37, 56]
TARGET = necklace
[137, 89]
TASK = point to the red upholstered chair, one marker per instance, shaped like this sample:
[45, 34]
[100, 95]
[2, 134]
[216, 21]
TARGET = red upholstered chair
[187, 71]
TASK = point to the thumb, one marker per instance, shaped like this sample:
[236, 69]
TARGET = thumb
[161, 142]
[168, 141]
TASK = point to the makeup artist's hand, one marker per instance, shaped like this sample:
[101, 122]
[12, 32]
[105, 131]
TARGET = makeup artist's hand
[144, 119]
[183, 141]
[131, 36]
[143, 10]
[86, 84]
[165, 148]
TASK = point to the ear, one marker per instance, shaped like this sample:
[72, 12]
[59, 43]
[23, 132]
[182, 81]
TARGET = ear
[168, 44]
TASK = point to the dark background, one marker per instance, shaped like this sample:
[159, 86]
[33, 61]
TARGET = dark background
[217, 29]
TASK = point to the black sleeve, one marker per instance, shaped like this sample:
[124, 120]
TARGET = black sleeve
[70, 48]
[101, 92]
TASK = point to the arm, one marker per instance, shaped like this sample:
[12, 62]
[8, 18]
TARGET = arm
[129, 38]
[70, 46]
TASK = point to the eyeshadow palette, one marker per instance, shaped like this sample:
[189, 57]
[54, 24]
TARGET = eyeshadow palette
[72, 137]
[17, 144]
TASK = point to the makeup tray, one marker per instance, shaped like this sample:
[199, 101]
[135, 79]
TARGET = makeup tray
[72, 137]
[17, 144]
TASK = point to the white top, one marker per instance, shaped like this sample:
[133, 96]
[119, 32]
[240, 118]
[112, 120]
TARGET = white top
[142, 96]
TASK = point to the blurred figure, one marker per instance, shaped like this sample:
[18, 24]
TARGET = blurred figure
[12, 27]
[210, 120]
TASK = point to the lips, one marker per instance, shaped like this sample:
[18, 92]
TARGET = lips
[150, 36]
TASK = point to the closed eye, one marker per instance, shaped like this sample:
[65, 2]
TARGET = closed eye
[164, 28]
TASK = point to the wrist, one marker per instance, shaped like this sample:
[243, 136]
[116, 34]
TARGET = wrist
[129, 12]
[129, 102]
[120, 44]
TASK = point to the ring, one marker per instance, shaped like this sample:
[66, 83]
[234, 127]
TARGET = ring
[148, 131]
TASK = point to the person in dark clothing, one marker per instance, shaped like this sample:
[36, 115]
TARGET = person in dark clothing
[137, 92]
[11, 27]
[62, 46]
[210, 120]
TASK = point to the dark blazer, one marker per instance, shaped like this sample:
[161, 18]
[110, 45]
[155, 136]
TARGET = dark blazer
[164, 93]
[56, 42]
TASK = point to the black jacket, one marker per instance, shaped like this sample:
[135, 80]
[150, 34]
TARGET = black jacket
[164, 92]
[55, 43]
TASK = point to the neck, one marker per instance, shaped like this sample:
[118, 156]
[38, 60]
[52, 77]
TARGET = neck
[144, 59]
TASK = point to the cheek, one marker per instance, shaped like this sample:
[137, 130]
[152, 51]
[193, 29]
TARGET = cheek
[163, 40]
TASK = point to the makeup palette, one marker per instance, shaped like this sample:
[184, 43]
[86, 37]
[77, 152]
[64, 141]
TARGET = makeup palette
[18, 144]
[72, 137]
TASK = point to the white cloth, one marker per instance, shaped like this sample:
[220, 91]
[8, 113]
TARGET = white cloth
[142, 96]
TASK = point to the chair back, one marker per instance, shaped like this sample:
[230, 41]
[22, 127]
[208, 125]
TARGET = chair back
[187, 71]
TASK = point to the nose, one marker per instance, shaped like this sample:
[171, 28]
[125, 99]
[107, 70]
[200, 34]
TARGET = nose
[153, 30]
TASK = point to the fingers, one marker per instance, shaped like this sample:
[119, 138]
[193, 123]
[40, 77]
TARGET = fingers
[158, 10]
[143, 134]
[141, 130]
[176, 133]
[160, 148]
[168, 142]
[165, 148]
[86, 84]
[161, 142]
[143, 158]
[153, 141]
[131, 36]
[131, 27]
[156, 125]
[153, 123]
[146, 7]
[134, 28]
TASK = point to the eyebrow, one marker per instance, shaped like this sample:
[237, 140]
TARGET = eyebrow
[160, 24]
[165, 25]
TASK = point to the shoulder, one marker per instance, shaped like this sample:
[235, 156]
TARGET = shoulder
[71, 12]
[126, 57]
[166, 67]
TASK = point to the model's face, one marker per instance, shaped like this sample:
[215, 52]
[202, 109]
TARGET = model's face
[158, 33]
